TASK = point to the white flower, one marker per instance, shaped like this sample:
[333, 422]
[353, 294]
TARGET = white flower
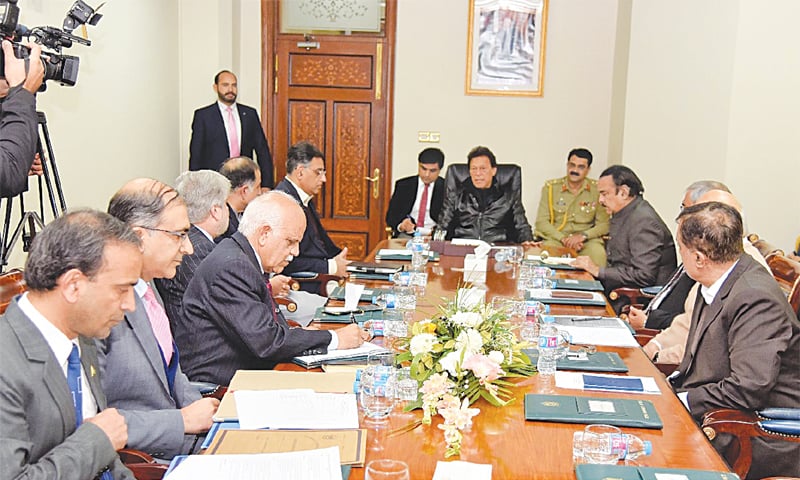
[497, 357]
[469, 341]
[450, 362]
[467, 319]
[422, 343]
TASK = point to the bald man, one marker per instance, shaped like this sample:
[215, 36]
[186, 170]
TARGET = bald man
[236, 323]
[669, 345]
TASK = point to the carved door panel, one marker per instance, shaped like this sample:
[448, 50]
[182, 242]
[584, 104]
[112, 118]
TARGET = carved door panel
[336, 96]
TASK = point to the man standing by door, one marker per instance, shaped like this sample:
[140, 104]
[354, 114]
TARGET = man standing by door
[228, 129]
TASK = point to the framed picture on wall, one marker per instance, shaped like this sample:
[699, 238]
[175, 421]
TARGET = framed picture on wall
[505, 47]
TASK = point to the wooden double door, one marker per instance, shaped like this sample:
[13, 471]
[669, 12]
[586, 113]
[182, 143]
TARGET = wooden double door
[335, 91]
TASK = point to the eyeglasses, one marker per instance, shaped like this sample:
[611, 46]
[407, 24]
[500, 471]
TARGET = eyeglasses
[180, 234]
[319, 171]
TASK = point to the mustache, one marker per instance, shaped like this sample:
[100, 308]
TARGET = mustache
[575, 174]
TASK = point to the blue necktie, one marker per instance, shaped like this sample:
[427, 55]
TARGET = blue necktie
[74, 382]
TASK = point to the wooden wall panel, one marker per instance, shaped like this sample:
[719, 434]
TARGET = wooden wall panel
[351, 144]
[306, 122]
[341, 71]
[356, 244]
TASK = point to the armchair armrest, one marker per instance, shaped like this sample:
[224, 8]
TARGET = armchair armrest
[208, 389]
[327, 282]
[143, 466]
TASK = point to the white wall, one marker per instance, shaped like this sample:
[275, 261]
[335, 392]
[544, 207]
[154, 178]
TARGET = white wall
[712, 94]
[536, 133]
[121, 119]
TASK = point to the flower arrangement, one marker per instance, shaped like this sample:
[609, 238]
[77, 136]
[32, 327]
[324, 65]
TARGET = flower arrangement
[466, 352]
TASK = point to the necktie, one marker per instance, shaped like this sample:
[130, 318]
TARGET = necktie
[233, 137]
[74, 383]
[423, 207]
[660, 296]
[160, 323]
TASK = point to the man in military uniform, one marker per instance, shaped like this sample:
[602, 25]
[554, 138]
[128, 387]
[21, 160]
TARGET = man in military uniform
[569, 210]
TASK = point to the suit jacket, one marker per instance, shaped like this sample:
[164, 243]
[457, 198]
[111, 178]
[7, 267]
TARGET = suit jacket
[209, 147]
[18, 134]
[172, 289]
[404, 196]
[743, 352]
[38, 438]
[672, 304]
[233, 225]
[640, 249]
[135, 382]
[316, 247]
[234, 324]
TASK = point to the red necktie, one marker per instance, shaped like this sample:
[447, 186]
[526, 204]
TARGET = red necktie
[233, 137]
[160, 323]
[423, 207]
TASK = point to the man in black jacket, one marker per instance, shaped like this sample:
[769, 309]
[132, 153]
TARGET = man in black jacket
[18, 134]
[417, 200]
[481, 209]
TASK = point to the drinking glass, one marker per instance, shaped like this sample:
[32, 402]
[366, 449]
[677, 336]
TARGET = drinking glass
[406, 298]
[386, 469]
[378, 383]
[394, 327]
[407, 387]
[598, 444]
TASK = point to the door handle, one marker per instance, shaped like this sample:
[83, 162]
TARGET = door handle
[376, 184]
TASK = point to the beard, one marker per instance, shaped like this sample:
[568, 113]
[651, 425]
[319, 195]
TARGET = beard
[227, 98]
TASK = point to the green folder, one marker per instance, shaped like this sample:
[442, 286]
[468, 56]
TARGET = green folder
[572, 284]
[564, 300]
[622, 412]
[362, 315]
[595, 362]
[432, 256]
[554, 266]
[621, 472]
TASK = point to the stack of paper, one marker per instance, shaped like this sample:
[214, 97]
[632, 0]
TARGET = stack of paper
[606, 331]
[322, 464]
[301, 408]
[313, 361]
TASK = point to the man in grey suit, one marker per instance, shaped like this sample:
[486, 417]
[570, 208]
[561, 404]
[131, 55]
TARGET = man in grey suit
[204, 192]
[743, 348]
[639, 249]
[142, 372]
[230, 303]
[80, 275]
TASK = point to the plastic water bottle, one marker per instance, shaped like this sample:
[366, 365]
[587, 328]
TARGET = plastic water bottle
[419, 252]
[627, 446]
[548, 347]
[401, 279]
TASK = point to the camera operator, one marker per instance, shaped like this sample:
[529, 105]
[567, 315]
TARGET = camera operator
[18, 120]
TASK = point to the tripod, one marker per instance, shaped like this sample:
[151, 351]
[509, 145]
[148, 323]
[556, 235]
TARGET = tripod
[29, 221]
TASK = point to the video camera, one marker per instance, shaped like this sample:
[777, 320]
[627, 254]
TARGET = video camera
[58, 67]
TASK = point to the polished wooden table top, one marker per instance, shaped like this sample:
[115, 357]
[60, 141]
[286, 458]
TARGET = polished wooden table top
[519, 449]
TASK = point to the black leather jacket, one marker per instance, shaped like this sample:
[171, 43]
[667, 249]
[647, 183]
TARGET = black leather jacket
[500, 219]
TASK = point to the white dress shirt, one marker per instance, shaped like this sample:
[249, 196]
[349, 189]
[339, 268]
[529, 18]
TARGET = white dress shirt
[223, 109]
[429, 221]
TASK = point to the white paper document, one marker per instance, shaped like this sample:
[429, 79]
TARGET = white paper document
[322, 464]
[459, 470]
[574, 381]
[362, 351]
[295, 409]
[553, 260]
[391, 252]
[583, 334]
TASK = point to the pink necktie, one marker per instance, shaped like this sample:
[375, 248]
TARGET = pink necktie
[159, 322]
[233, 138]
[423, 206]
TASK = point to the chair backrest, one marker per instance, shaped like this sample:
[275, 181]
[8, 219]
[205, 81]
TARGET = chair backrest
[11, 285]
[509, 176]
[787, 273]
[764, 247]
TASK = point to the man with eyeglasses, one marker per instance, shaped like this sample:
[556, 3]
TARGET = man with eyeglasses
[142, 376]
[305, 175]
[481, 209]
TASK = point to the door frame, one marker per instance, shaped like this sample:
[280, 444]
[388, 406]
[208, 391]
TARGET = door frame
[269, 27]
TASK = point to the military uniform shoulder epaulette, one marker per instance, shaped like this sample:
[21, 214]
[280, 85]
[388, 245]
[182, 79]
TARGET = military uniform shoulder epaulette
[592, 181]
[554, 181]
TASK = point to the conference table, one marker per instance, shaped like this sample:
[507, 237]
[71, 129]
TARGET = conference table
[500, 436]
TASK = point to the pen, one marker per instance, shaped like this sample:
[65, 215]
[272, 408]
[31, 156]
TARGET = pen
[586, 319]
[353, 318]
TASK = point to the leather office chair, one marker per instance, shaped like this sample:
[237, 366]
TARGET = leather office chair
[142, 465]
[11, 285]
[765, 248]
[744, 426]
[638, 297]
[327, 282]
[509, 176]
[787, 273]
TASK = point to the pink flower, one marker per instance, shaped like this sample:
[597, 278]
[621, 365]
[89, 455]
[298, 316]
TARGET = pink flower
[485, 368]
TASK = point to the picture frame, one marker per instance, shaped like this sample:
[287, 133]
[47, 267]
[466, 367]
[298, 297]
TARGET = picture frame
[506, 47]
